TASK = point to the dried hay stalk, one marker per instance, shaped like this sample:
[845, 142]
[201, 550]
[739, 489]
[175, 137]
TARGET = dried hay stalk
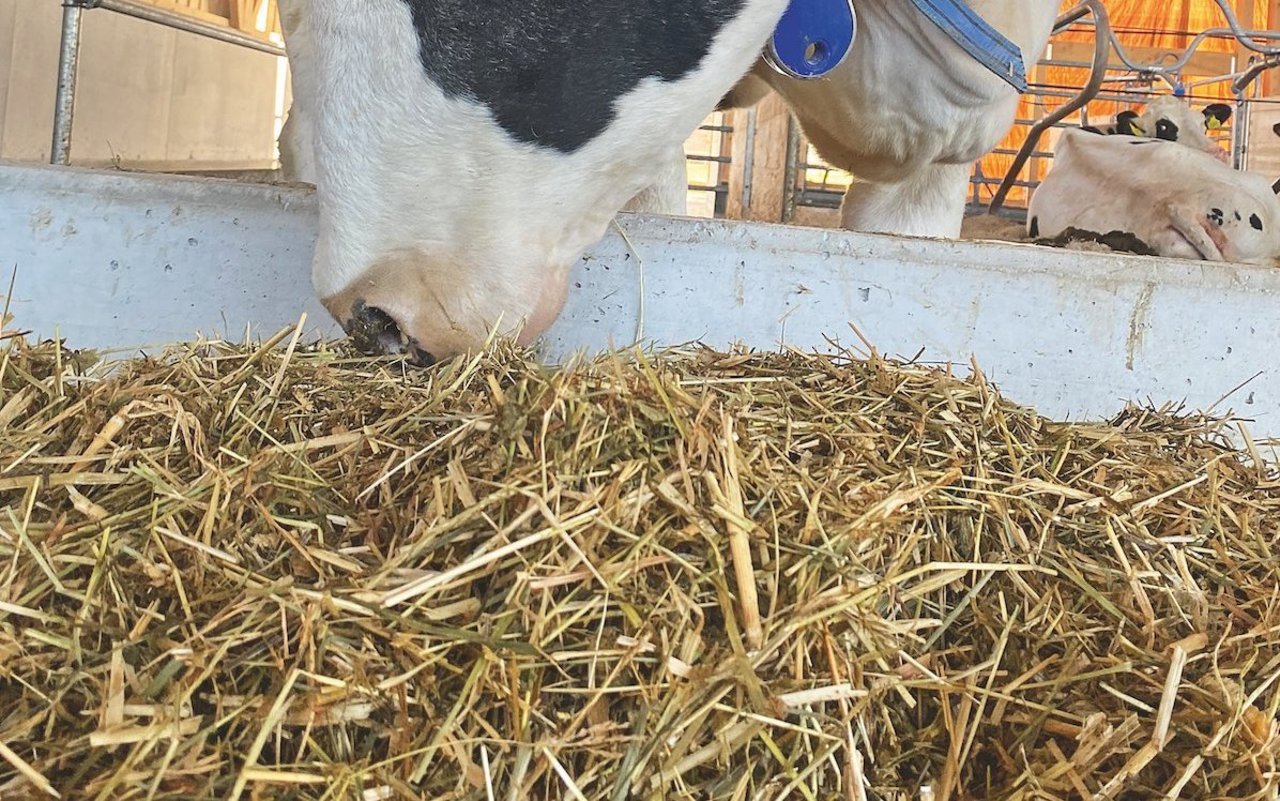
[285, 571]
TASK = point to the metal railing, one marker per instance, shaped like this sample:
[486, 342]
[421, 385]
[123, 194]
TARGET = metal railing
[719, 189]
[1106, 42]
[69, 55]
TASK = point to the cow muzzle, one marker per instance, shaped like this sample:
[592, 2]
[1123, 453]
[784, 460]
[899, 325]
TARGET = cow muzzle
[426, 309]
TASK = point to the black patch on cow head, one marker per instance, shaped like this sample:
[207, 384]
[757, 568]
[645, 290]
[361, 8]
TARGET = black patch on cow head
[1217, 111]
[551, 71]
[1166, 130]
[1276, 187]
[1255, 221]
[1275, 129]
[1034, 229]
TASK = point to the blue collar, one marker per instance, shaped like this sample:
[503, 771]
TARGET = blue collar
[815, 36]
[981, 41]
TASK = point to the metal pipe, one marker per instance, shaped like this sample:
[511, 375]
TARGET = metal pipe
[182, 22]
[64, 105]
[1246, 38]
[1244, 79]
[748, 162]
[1070, 18]
[1101, 50]
[1240, 134]
[791, 170]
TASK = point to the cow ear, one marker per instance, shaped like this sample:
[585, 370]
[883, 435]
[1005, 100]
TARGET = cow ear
[1127, 123]
[1276, 187]
[1217, 113]
[1276, 129]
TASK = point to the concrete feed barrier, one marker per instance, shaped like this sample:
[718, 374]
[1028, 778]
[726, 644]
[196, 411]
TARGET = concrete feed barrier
[118, 260]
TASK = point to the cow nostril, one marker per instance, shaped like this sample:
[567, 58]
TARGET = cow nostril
[372, 330]
[374, 333]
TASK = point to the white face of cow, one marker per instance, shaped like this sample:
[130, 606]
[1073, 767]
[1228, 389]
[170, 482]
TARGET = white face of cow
[467, 154]
[1178, 201]
[1173, 120]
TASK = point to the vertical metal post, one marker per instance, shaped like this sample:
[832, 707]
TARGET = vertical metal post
[1240, 134]
[68, 68]
[791, 171]
[749, 162]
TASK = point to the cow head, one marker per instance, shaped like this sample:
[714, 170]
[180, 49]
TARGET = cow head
[1126, 123]
[1172, 120]
[466, 154]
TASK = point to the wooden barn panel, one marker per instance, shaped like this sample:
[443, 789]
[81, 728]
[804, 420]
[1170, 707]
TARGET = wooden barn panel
[8, 8]
[149, 97]
[124, 91]
[1264, 145]
[33, 65]
[234, 126]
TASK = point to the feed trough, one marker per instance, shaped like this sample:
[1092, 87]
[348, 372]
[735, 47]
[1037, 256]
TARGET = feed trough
[156, 259]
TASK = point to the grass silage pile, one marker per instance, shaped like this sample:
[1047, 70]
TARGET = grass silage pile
[287, 572]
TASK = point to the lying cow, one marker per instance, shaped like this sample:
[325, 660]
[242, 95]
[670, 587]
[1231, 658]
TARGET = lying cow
[1173, 120]
[1176, 201]
[466, 155]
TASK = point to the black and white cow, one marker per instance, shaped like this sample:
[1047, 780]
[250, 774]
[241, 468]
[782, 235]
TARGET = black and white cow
[1177, 201]
[467, 154]
[1124, 124]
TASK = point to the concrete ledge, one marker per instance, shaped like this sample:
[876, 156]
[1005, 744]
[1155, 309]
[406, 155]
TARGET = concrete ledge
[122, 260]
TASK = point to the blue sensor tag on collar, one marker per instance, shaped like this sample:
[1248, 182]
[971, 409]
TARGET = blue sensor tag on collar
[812, 38]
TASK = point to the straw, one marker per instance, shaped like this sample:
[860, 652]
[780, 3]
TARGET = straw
[287, 571]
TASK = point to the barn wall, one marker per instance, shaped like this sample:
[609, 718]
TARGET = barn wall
[149, 97]
[1264, 144]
